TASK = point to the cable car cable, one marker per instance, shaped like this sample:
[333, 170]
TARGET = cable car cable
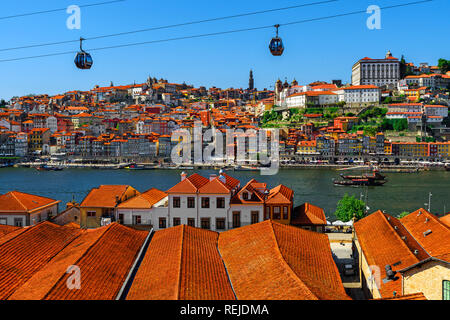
[217, 33]
[61, 9]
[171, 26]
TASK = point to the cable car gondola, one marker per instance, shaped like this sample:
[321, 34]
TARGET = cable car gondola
[276, 44]
[83, 60]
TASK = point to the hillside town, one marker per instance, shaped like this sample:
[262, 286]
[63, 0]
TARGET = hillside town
[220, 235]
[392, 111]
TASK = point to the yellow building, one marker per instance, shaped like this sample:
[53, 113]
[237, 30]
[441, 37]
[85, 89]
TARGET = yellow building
[280, 204]
[410, 149]
[443, 149]
[387, 148]
[38, 137]
[102, 202]
[307, 147]
[431, 277]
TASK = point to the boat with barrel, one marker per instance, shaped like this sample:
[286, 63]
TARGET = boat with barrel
[375, 175]
[365, 182]
[368, 179]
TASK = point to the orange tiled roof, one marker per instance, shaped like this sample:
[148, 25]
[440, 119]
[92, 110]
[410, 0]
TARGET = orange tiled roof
[4, 230]
[217, 186]
[145, 200]
[104, 196]
[419, 223]
[280, 195]
[446, 220]
[28, 252]
[15, 201]
[189, 185]
[269, 261]
[383, 245]
[182, 263]
[104, 256]
[308, 214]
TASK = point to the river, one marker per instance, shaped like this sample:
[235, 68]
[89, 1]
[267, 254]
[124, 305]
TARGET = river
[403, 192]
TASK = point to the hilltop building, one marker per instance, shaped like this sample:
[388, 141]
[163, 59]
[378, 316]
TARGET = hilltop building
[377, 72]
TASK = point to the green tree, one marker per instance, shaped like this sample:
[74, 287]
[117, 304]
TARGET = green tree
[403, 214]
[444, 65]
[348, 207]
[400, 124]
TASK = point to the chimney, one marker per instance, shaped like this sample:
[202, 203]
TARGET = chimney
[183, 176]
[212, 177]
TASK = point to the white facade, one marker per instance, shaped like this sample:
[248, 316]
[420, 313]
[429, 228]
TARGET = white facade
[52, 124]
[359, 94]
[378, 72]
[28, 219]
[147, 217]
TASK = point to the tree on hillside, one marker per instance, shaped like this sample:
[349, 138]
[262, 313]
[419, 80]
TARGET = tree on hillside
[348, 207]
[400, 124]
[444, 65]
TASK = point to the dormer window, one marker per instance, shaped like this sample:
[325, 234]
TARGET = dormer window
[245, 196]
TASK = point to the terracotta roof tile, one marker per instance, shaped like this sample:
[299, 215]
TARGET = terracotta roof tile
[308, 214]
[262, 263]
[104, 196]
[309, 256]
[189, 185]
[182, 263]
[429, 231]
[16, 201]
[4, 230]
[29, 251]
[382, 246]
[145, 200]
[104, 265]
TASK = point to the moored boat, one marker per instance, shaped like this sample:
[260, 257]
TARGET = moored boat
[360, 182]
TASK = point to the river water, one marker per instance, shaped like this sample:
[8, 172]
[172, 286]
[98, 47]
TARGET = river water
[403, 192]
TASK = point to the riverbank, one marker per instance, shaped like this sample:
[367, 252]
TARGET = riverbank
[405, 168]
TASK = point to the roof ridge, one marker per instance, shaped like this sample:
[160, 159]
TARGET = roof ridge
[20, 202]
[398, 236]
[285, 264]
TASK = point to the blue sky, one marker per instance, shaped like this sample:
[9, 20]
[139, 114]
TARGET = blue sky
[321, 50]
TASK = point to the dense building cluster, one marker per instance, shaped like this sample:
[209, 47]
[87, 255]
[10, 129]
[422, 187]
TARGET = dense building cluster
[138, 122]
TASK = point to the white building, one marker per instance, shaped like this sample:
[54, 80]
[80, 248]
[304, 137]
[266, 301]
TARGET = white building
[21, 209]
[216, 204]
[314, 98]
[200, 202]
[144, 209]
[21, 145]
[378, 72]
[360, 94]
[52, 124]
[434, 81]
